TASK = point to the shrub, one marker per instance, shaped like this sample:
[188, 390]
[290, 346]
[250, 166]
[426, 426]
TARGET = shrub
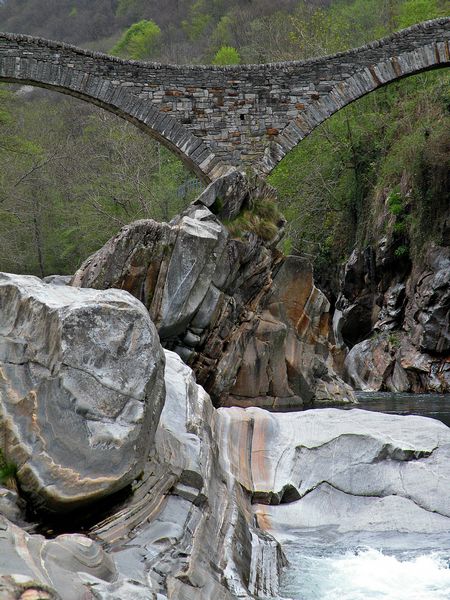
[227, 55]
[139, 41]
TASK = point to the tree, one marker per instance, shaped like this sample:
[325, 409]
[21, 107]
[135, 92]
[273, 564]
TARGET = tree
[227, 55]
[198, 20]
[139, 41]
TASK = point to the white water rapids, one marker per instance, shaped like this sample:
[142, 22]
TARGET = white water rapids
[327, 565]
[370, 574]
[407, 571]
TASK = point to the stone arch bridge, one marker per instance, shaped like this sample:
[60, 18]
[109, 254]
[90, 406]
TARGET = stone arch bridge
[215, 118]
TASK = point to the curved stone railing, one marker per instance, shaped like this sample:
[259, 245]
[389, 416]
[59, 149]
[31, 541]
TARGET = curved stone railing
[217, 117]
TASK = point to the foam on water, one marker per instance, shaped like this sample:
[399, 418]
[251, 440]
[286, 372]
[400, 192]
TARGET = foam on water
[369, 574]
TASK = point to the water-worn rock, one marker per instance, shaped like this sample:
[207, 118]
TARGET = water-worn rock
[81, 389]
[52, 566]
[188, 532]
[353, 469]
[287, 362]
[11, 506]
[248, 328]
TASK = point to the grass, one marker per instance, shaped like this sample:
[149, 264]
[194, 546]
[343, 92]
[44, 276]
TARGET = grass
[7, 470]
[261, 217]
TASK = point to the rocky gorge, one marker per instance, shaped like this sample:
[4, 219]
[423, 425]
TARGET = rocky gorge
[143, 462]
[392, 317]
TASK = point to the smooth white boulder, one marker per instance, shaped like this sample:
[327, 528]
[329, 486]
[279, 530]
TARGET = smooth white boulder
[81, 389]
[356, 470]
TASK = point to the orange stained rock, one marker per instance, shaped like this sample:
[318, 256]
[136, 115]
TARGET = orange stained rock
[260, 461]
[263, 518]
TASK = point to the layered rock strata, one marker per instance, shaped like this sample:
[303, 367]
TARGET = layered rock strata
[218, 488]
[53, 568]
[186, 532]
[354, 470]
[288, 363]
[81, 389]
[212, 298]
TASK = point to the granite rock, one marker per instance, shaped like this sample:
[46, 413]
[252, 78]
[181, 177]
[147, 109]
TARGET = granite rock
[252, 325]
[355, 470]
[52, 566]
[81, 389]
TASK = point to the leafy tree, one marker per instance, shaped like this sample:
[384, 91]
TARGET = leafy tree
[198, 20]
[139, 41]
[315, 32]
[90, 174]
[227, 55]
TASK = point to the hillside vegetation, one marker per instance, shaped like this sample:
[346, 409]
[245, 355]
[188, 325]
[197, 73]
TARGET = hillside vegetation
[71, 175]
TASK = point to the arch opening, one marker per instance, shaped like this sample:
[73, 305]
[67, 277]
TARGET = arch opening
[366, 80]
[72, 175]
[123, 114]
[380, 164]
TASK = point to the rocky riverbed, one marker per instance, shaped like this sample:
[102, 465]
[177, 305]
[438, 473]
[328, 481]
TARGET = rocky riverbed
[176, 490]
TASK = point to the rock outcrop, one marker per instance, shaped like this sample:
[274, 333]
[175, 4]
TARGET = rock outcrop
[396, 321]
[211, 296]
[219, 489]
[288, 363]
[186, 532]
[188, 528]
[355, 470]
[81, 389]
[54, 568]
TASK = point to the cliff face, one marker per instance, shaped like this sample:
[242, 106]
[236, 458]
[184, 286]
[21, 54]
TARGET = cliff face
[393, 311]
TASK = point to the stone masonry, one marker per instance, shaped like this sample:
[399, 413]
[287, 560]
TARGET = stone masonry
[215, 118]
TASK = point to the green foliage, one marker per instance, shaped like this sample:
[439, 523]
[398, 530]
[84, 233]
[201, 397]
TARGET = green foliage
[333, 186]
[395, 202]
[222, 35]
[139, 41]
[7, 470]
[316, 31]
[227, 55]
[198, 21]
[84, 175]
[415, 11]
[402, 251]
[123, 7]
[69, 178]
[394, 339]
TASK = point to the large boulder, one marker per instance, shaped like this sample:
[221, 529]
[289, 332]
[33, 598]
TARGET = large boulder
[81, 389]
[354, 469]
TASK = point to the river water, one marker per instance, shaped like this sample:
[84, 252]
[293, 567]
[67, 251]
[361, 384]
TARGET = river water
[325, 565]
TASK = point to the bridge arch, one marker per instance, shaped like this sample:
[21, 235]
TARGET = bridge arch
[368, 78]
[216, 118]
[44, 68]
